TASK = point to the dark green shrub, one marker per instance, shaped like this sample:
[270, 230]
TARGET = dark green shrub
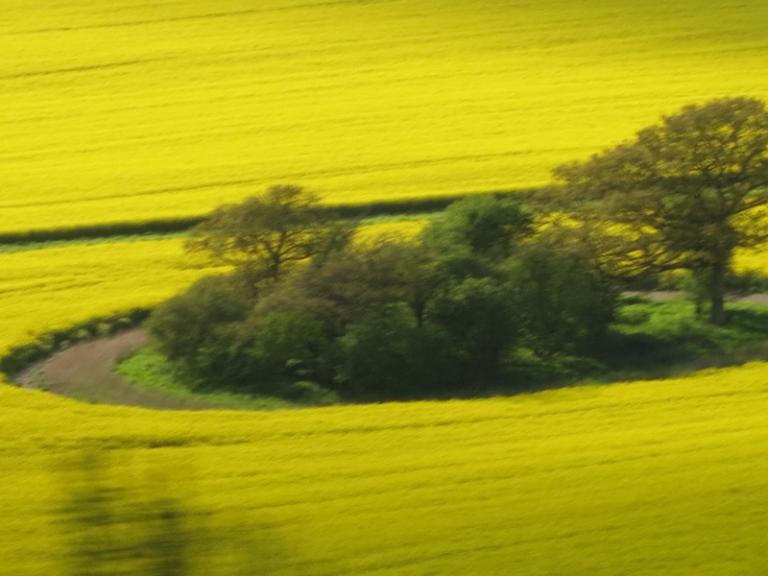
[480, 318]
[386, 354]
[565, 305]
[189, 327]
[307, 392]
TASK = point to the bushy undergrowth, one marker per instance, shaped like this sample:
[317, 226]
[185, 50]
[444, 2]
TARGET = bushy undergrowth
[149, 368]
[662, 338]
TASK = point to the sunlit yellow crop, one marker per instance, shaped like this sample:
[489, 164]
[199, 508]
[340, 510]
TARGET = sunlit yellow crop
[753, 261]
[125, 110]
[128, 110]
[665, 477]
[46, 289]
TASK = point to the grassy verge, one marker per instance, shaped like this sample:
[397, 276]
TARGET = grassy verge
[148, 368]
[665, 338]
[416, 207]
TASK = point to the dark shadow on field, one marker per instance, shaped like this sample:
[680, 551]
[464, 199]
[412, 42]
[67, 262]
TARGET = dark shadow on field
[120, 524]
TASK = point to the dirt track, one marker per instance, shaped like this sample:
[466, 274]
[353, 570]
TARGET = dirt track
[665, 295]
[86, 371]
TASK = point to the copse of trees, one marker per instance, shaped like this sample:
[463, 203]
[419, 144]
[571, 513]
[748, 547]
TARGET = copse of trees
[307, 311]
[683, 195]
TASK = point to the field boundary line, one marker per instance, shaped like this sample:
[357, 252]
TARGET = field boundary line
[181, 224]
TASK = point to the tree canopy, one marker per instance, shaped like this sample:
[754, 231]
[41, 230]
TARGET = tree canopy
[684, 194]
[267, 233]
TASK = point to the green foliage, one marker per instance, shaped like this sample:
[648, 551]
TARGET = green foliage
[481, 319]
[309, 393]
[485, 225]
[684, 194]
[386, 354]
[150, 368]
[288, 343]
[564, 305]
[384, 319]
[271, 232]
[747, 283]
[195, 327]
[666, 337]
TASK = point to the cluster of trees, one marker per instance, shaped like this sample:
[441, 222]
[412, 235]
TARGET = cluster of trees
[308, 310]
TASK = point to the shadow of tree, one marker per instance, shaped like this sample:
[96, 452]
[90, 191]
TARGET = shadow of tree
[120, 525]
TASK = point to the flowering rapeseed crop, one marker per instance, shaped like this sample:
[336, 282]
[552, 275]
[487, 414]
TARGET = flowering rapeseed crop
[132, 111]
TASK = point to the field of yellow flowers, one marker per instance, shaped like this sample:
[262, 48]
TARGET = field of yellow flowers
[126, 111]
[129, 111]
[645, 478]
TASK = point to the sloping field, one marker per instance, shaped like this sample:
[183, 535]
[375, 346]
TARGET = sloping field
[47, 289]
[130, 110]
[648, 478]
[59, 285]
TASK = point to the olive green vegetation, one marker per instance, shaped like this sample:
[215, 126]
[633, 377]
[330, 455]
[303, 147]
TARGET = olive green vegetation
[685, 194]
[306, 312]
[668, 338]
[482, 291]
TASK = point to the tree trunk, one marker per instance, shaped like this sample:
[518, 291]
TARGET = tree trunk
[717, 292]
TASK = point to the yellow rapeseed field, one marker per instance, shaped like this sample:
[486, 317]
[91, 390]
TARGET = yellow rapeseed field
[131, 110]
[647, 478]
[51, 288]
[128, 110]
[752, 262]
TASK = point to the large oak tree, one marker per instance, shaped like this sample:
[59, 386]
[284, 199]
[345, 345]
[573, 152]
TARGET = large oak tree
[684, 194]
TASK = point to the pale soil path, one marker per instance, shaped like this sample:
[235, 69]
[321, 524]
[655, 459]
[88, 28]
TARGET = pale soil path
[86, 371]
[665, 295]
